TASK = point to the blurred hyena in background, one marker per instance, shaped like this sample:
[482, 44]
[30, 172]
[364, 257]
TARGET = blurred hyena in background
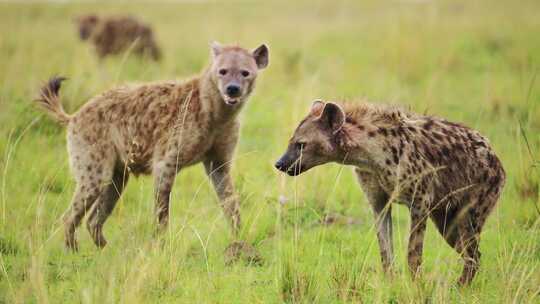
[438, 169]
[116, 34]
[155, 128]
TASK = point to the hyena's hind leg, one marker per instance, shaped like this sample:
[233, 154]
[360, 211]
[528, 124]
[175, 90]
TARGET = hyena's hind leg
[468, 245]
[469, 233]
[81, 202]
[461, 232]
[444, 219]
[461, 229]
[92, 166]
[150, 49]
[105, 205]
[89, 187]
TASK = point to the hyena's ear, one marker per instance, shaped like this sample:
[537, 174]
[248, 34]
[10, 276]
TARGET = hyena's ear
[215, 48]
[316, 107]
[261, 56]
[332, 116]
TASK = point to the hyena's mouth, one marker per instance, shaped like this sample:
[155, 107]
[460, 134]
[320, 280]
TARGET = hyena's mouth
[292, 169]
[295, 169]
[231, 101]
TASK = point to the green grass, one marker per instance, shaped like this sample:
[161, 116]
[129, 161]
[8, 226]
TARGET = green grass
[474, 62]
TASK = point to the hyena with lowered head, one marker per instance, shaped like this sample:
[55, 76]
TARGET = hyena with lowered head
[117, 34]
[155, 128]
[438, 169]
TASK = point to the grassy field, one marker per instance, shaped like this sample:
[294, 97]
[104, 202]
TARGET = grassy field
[474, 62]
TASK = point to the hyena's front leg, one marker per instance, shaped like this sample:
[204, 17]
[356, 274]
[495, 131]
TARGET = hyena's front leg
[218, 162]
[219, 172]
[383, 219]
[379, 201]
[419, 217]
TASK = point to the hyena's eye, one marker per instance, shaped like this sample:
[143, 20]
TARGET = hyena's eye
[245, 73]
[300, 145]
[222, 71]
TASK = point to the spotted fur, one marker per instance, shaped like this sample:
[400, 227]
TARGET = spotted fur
[154, 128]
[115, 35]
[439, 169]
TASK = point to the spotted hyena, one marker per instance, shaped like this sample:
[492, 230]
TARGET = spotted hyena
[117, 34]
[155, 128]
[438, 169]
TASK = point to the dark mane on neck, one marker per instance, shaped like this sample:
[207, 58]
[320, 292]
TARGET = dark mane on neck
[381, 115]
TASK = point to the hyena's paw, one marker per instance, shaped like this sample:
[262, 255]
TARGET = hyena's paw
[99, 240]
[468, 274]
[97, 234]
[240, 250]
[72, 244]
[390, 272]
[160, 229]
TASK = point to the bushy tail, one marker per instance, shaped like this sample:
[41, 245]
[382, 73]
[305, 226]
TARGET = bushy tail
[49, 100]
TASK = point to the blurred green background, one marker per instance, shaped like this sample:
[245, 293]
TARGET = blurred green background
[474, 62]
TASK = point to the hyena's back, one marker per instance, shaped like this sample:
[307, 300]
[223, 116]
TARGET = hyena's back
[130, 125]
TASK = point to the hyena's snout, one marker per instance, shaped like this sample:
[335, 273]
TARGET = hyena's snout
[280, 165]
[289, 164]
[233, 90]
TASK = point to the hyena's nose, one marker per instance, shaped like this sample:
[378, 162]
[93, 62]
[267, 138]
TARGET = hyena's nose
[233, 90]
[280, 165]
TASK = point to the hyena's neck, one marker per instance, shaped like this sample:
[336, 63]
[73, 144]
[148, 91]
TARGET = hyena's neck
[351, 152]
[353, 157]
[218, 110]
